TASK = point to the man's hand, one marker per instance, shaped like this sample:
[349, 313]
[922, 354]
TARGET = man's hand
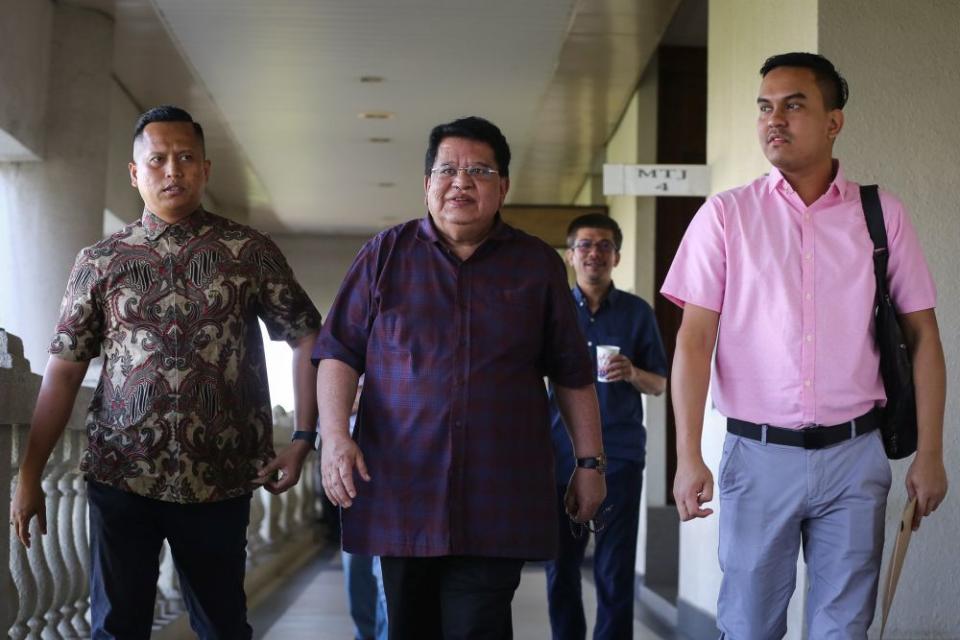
[586, 491]
[338, 457]
[619, 369]
[289, 464]
[692, 487]
[927, 482]
[28, 501]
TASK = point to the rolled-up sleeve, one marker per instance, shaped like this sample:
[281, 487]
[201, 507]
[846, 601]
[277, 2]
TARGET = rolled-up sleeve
[910, 282]
[79, 330]
[566, 358]
[283, 305]
[698, 272]
[345, 334]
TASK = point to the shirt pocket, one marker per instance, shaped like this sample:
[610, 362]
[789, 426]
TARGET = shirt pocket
[395, 363]
[510, 320]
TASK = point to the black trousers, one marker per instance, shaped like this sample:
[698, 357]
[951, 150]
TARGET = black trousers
[208, 542]
[450, 597]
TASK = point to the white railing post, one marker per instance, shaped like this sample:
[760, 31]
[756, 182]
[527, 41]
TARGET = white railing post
[56, 593]
[44, 590]
[69, 537]
[81, 541]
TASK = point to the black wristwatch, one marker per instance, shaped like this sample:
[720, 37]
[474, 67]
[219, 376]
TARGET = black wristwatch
[599, 463]
[309, 436]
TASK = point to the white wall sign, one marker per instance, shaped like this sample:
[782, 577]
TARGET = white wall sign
[656, 180]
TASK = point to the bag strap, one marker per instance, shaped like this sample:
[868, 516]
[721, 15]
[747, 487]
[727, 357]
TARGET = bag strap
[873, 212]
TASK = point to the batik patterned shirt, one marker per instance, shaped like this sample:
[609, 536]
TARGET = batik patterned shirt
[182, 409]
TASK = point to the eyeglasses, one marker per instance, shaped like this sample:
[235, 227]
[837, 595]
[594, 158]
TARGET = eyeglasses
[602, 246]
[595, 526]
[450, 172]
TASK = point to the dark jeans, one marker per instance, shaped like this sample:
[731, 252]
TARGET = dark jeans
[614, 561]
[208, 542]
[450, 597]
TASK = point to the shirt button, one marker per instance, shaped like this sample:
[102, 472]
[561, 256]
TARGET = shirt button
[593, 319]
[809, 256]
[809, 338]
[806, 383]
[457, 423]
[806, 216]
[808, 296]
[589, 344]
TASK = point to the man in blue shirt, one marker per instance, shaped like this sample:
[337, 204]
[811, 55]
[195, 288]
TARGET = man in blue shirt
[612, 317]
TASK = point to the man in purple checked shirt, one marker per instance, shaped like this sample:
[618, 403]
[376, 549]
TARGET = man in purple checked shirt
[455, 318]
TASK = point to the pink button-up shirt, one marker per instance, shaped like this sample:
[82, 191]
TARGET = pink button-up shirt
[794, 287]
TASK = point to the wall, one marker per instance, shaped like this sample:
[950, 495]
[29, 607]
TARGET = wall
[25, 34]
[122, 200]
[320, 262]
[902, 61]
[635, 142]
[622, 149]
[742, 34]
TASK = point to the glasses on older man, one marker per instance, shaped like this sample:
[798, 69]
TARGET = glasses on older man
[474, 172]
[602, 246]
[595, 526]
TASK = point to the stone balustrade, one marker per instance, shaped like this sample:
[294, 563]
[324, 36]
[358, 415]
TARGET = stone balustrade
[44, 590]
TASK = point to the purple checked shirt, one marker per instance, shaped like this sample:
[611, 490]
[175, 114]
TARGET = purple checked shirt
[453, 421]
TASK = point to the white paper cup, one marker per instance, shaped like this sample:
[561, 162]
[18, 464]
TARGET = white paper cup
[604, 353]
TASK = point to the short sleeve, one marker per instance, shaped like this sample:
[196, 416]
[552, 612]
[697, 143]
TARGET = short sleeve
[649, 350]
[566, 358]
[80, 327]
[911, 285]
[698, 272]
[345, 334]
[283, 305]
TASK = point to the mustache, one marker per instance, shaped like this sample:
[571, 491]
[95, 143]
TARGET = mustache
[777, 133]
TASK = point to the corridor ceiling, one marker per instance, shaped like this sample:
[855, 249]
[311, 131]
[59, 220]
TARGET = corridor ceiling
[281, 86]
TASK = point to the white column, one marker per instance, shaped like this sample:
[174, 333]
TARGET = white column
[52, 208]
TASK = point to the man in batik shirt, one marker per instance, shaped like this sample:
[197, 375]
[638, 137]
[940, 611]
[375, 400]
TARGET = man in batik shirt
[179, 428]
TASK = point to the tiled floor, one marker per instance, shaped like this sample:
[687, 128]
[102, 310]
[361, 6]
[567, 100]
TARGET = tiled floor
[312, 606]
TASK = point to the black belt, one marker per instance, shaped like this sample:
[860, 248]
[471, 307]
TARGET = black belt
[811, 438]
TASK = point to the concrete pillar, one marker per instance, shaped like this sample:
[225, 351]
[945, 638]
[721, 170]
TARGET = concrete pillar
[50, 209]
[24, 70]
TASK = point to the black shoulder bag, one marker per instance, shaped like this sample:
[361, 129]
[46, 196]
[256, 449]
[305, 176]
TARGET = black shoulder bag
[899, 423]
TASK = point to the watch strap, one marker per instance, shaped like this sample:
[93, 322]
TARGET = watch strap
[594, 462]
[309, 436]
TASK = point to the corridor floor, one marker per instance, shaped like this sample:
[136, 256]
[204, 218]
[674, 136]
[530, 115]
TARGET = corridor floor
[311, 605]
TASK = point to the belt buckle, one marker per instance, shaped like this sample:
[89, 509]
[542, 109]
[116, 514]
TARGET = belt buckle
[853, 428]
[763, 434]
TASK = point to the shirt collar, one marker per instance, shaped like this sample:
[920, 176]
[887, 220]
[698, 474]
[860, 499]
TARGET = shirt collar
[427, 230]
[612, 294]
[155, 226]
[838, 186]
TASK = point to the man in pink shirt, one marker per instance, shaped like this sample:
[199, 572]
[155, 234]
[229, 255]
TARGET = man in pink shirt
[778, 276]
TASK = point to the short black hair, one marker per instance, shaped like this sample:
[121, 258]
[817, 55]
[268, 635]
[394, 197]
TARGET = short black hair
[167, 113]
[471, 128]
[832, 85]
[594, 221]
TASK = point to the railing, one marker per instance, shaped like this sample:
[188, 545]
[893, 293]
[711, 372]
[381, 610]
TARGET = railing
[44, 590]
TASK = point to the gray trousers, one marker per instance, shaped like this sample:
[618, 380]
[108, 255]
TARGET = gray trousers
[775, 497]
